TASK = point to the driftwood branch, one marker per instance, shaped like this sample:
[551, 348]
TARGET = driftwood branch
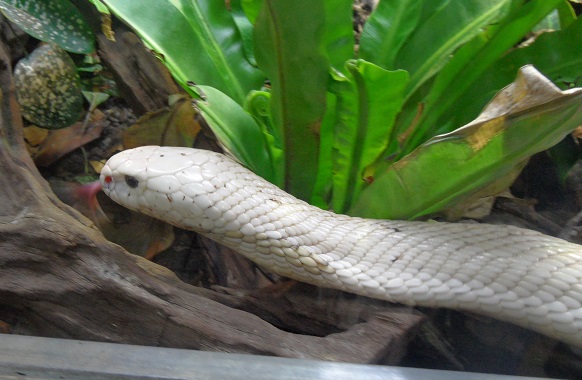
[60, 277]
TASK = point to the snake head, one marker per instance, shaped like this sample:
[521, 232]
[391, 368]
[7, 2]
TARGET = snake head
[124, 177]
[168, 183]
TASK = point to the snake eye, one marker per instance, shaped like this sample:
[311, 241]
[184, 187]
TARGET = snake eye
[131, 181]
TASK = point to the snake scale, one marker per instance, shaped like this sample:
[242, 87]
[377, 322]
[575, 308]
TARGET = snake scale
[508, 273]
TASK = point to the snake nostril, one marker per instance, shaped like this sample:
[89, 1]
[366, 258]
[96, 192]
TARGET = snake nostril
[131, 181]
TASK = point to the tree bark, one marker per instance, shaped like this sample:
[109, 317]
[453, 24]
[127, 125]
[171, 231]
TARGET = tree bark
[59, 277]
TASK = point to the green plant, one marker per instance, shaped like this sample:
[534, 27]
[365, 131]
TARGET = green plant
[355, 132]
[55, 21]
[48, 88]
[47, 82]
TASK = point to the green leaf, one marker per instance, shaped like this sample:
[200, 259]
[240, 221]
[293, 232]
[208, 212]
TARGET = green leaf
[431, 44]
[258, 104]
[56, 21]
[558, 55]
[566, 14]
[387, 30]
[338, 34]
[247, 142]
[322, 189]
[293, 57]
[550, 22]
[529, 116]
[468, 63]
[245, 29]
[100, 6]
[95, 98]
[368, 101]
[251, 8]
[196, 39]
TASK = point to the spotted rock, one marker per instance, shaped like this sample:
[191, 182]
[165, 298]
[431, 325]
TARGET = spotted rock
[48, 88]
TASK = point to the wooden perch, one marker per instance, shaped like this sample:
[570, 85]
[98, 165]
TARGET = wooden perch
[59, 277]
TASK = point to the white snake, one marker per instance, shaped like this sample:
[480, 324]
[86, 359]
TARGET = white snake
[508, 273]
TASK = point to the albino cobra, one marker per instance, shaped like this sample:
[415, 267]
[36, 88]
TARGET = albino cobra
[508, 273]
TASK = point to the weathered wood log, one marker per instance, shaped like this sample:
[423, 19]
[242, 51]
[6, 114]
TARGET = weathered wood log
[60, 277]
[142, 79]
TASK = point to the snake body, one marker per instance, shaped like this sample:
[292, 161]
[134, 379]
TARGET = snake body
[508, 273]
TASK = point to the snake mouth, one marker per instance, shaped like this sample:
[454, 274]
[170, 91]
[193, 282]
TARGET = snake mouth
[107, 183]
[107, 179]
